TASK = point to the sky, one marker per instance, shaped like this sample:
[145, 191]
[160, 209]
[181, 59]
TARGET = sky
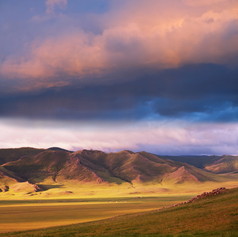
[153, 75]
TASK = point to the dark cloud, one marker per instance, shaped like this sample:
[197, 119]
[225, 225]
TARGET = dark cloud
[204, 92]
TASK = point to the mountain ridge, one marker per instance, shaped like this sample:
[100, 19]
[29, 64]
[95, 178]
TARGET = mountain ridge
[35, 166]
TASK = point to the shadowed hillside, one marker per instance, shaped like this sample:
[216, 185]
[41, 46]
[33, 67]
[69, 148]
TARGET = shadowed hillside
[99, 167]
[13, 154]
[225, 164]
[55, 167]
[197, 161]
[214, 164]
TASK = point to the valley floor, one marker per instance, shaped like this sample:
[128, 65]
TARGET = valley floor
[59, 207]
[212, 216]
[17, 215]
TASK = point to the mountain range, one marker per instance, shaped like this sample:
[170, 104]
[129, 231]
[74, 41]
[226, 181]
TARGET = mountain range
[27, 168]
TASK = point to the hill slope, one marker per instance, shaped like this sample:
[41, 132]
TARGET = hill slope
[214, 164]
[94, 166]
[197, 161]
[226, 164]
[7, 155]
[215, 215]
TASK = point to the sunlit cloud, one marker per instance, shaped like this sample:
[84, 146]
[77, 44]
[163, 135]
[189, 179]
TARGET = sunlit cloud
[149, 75]
[141, 34]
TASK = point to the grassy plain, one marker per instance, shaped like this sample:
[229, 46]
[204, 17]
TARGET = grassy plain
[215, 216]
[71, 204]
[16, 215]
[76, 190]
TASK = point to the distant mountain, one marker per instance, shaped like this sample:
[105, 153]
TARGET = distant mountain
[141, 167]
[214, 164]
[226, 164]
[33, 166]
[197, 161]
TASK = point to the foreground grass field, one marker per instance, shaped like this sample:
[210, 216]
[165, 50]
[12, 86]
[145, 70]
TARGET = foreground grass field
[213, 216]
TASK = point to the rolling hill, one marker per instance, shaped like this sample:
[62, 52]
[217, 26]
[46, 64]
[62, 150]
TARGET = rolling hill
[35, 166]
[199, 161]
[226, 164]
[7, 155]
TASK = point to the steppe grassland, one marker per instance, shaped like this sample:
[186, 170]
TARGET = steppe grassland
[84, 203]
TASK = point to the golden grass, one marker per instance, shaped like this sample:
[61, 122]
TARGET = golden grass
[28, 216]
[210, 217]
[72, 190]
[89, 202]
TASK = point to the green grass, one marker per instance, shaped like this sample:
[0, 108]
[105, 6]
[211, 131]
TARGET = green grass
[214, 216]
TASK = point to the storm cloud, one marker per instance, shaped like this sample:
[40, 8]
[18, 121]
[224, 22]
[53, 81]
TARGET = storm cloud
[171, 63]
[200, 92]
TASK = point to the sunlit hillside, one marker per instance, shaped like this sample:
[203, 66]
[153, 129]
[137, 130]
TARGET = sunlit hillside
[57, 173]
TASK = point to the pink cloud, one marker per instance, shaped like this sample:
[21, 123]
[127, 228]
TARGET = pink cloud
[154, 34]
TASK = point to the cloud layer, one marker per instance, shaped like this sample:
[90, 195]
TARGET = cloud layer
[204, 92]
[158, 137]
[51, 5]
[133, 34]
[145, 74]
